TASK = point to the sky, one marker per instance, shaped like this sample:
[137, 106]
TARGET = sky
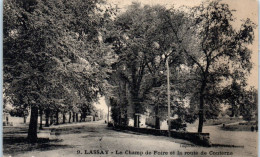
[244, 9]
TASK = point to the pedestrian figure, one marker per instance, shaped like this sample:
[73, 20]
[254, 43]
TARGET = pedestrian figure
[256, 128]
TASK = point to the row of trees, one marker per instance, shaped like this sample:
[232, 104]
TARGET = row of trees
[60, 56]
[207, 57]
[54, 59]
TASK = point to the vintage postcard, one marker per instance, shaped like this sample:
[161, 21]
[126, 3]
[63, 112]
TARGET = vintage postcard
[98, 78]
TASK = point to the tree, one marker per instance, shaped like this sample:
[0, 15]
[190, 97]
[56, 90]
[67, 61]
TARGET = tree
[242, 101]
[249, 107]
[140, 44]
[217, 52]
[43, 41]
[233, 95]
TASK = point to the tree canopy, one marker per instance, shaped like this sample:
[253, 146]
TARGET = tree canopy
[53, 53]
[60, 56]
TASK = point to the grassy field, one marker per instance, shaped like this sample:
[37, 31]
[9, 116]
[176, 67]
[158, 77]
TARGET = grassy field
[223, 120]
[232, 124]
[15, 141]
[14, 145]
[241, 127]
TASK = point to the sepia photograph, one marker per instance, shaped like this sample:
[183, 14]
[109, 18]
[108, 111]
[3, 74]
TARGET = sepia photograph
[130, 78]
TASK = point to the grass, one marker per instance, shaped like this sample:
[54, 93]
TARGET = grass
[238, 127]
[70, 130]
[223, 120]
[15, 130]
[15, 145]
[15, 142]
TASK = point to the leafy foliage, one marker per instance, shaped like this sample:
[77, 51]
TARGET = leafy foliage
[53, 53]
[217, 53]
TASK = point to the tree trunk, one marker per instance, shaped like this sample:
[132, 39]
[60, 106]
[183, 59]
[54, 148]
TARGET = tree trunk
[51, 120]
[47, 114]
[126, 119]
[24, 119]
[40, 120]
[73, 119]
[77, 117]
[32, 132]
[119, 119]
[69, 117]
[84, 116]
[108, 114]
[126, 104]
[201, 116]
[157, 119]
[137, 108]
[136, 121]
[64, 118]
[201, 107]
[81, 117]
[57, 117]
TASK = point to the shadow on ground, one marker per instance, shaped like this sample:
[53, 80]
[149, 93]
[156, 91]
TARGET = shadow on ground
[132, 134]
[176, 140]
[21, 144]
[70, 130]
